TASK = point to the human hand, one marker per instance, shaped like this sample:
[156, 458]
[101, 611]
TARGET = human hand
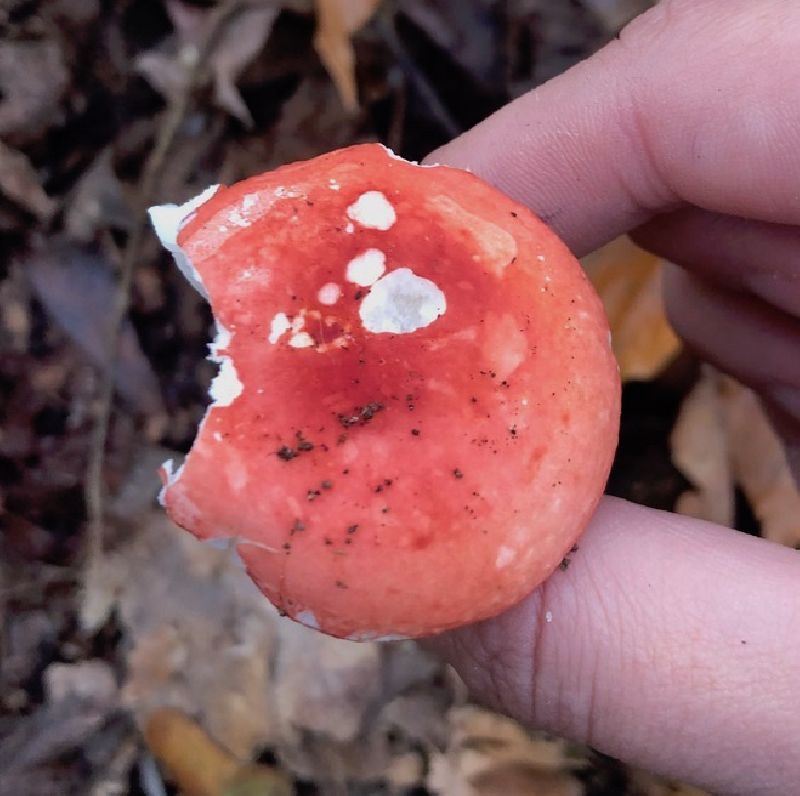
[670, 643]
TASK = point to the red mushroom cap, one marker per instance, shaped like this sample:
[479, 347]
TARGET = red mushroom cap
[417, 407]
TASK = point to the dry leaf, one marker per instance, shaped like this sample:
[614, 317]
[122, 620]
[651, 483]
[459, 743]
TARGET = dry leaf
[167, 67]
[33, 79]
[243, 39]
[723, 438]
[490, 754]
[52, 731]
[628, 280]
[205, 641]
[97, 201]
[337, 21]
[699, 443]
[760, 465]
[328, 691]
[76, 287]
[200, 766]
[90, 680]
[20, 183]
[202, 637]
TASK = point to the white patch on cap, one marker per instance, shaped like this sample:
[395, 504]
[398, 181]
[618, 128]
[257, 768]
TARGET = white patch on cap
[278, 327]
[308, 619]
[220, 343]
[226, 387]
[366, 268]
[392, 154]
[505, 555]
[287, 193]
[237, 219]
[350, 228]
[548, 617]
[167, 221]
[301, 340]
[373, 210]
[333, 184]
[329, 294]
[402, 302]
[172, 476]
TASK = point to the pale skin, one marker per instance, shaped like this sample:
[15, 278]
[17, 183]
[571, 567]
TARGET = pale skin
[673, 644]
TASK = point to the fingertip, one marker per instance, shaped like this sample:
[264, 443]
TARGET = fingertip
[637, 649]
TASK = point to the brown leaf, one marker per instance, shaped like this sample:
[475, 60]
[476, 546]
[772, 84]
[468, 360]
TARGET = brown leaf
[522, 779]
[51, 731]
[77, 287]
[760, 466]
[243, 40]
[20, 183]
[204, 640]
[97, 201]
[699, 443]
[90, 680]
[202, 636]
[202, 767]
[337, 21]
[328, 691]
[628, 280]
[723, 438]
[33, 79]
[490, 754]
[167, 66]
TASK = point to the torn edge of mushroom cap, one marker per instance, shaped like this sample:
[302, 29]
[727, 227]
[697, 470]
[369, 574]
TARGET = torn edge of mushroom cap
[167, 221]
[169, 475]
[226, 386]
[392, 154]
[224, 389]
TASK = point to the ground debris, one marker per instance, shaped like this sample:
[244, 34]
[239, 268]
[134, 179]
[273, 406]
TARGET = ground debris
[20, 183]
[33, 79]
[76, 285]
[169, 65]
[722, 440]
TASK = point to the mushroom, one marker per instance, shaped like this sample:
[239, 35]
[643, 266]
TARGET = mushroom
[417, 405]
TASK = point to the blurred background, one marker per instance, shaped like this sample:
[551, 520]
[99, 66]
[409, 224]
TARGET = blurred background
[135, 660]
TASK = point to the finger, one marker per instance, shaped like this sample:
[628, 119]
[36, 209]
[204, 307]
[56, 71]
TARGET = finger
[690, 106]
[742, 335]
[668, 642]
[747, 255]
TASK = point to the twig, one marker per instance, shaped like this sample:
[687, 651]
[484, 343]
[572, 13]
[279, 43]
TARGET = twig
[170, 125]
